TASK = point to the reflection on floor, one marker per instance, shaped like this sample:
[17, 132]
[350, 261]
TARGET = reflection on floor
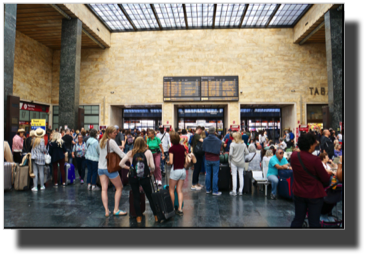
[75, 206]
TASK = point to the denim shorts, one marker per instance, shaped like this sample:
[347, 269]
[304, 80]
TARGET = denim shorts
[178, 174]
[112, 175]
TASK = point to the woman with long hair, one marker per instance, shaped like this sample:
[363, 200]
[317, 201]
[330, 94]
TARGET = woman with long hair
[92, 158]
[8, 156]
[37, 156]
[155, 146]
[139, 150]
[57, 150]
[238, 150]
[105, 176]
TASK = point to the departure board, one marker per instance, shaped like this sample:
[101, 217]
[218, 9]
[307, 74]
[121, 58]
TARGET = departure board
[181, 88]
[219, 88]
[204, 88]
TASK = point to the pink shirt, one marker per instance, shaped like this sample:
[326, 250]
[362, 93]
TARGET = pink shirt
[17, 143]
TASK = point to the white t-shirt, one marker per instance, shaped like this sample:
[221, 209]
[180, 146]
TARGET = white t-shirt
[287, 137]
[326, 166]
[166, 142]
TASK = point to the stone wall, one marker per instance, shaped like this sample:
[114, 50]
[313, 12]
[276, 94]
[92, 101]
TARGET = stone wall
[267, 62]
[32, 70]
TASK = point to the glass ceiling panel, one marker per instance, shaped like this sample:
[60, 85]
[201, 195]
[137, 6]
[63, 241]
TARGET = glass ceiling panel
[229, 15]
[200, 15]
[112, 16]
[141, 15]
[170, 15]
[288, 13]
[258, 14]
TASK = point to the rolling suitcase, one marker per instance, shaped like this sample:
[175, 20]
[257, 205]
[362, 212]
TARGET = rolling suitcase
[284, 187]
[132, 210]
[21, 179]
[162, 201]
[224, 177]
[247, 187]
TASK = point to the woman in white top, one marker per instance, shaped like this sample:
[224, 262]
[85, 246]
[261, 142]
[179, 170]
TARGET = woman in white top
[238, 150]
[141, 152]
[325, 159]
[265, 160]
[254, 164]
[103, 173]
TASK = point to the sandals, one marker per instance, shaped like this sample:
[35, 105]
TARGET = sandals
[120, 213]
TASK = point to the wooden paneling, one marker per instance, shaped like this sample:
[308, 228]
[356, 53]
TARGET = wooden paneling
[42, 23]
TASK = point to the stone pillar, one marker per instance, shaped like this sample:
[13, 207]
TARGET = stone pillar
[334, 58]
[70, 61]
[10, 16]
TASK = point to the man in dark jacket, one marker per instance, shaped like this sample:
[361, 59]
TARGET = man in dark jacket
[197, 166]
[212, 147]
[326, 144]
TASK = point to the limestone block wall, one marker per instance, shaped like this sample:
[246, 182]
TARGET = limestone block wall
[267, 62]
[32, 70]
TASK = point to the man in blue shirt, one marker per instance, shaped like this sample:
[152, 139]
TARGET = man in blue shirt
[275, 163]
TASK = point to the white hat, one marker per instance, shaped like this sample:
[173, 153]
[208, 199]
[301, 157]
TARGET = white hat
[40, 132]
[32, 133]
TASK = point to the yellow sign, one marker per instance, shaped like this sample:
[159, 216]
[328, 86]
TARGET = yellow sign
[38, 122]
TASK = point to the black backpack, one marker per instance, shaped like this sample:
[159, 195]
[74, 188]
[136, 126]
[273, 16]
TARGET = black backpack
[198, 151]
[139, 168]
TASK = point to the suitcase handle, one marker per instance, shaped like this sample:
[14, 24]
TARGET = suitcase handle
[152, 184]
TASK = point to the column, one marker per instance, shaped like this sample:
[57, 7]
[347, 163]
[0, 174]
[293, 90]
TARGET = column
[334, 58]
[10, 16]
[69, 84]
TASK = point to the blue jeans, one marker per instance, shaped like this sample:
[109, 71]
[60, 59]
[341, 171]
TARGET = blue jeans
[274, 181]
[163, 162]
[209, 166]
[92, 172]
[127, 148]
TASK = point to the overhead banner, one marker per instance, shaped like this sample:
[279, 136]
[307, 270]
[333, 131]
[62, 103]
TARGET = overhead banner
[38, 123]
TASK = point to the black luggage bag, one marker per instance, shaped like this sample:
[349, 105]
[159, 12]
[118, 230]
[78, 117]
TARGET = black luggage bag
[224, 177]
[162, 202]
[247, 187]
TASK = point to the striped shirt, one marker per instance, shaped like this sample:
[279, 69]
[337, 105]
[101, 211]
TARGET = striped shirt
[80, 150]
[37, 153]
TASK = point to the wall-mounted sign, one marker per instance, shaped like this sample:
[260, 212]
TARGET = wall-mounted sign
[235, 127]
[316, 91]
[34, 107]
[38, 123]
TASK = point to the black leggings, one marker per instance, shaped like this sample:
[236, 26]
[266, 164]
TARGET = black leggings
[197, 170]
[304, 205]
[146, 185]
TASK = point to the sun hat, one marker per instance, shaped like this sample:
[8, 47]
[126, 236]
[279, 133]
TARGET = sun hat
[32, 133]
[20, 131]
[40, 132]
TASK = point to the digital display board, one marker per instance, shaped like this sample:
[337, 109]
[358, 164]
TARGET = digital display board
[204, 88]
[181, 88]
[219, 88]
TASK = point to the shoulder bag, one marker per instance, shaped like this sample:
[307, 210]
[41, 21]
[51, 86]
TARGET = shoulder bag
[190, 159]
[113, 160]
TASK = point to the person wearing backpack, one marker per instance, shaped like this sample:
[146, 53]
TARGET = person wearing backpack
[199, 156]
[142, 167]
[129, 140]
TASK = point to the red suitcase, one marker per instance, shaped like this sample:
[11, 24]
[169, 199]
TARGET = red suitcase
[132, 210]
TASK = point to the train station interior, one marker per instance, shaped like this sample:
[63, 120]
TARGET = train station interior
[272, 67]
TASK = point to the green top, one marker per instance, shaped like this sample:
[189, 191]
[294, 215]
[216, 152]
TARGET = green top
[154, 144]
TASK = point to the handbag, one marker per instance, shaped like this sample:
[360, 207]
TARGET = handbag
[47, 157]
[190, 159]
[113, 160]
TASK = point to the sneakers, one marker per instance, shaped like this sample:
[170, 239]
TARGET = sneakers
[232, 193]
[95, 188]
[217, 194]
[63, 184]
[159, 183]
[200, 185]
[240, 194]
[272, 196]
[88, 186]
[56, 185]
[196, 187]
[43, 188]
[82, 181]
[208, 192]
[179, 212]
[34, 189]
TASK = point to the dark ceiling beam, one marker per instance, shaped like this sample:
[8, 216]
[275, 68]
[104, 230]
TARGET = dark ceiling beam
[312, 33]
[156, 16]
[215, 11]
[185, 17]
[62, 12]
[127, 16]
[243, 16]
[272, 15]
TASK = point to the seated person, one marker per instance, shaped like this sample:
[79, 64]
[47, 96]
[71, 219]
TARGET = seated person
[275, 163]
[337, 150]
[255, 156]
[325, 160]
[282, 144]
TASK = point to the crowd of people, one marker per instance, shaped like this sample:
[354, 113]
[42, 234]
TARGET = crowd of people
[148, 152]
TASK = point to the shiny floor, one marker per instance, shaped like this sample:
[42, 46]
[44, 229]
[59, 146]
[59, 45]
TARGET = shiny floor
[75, 206]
